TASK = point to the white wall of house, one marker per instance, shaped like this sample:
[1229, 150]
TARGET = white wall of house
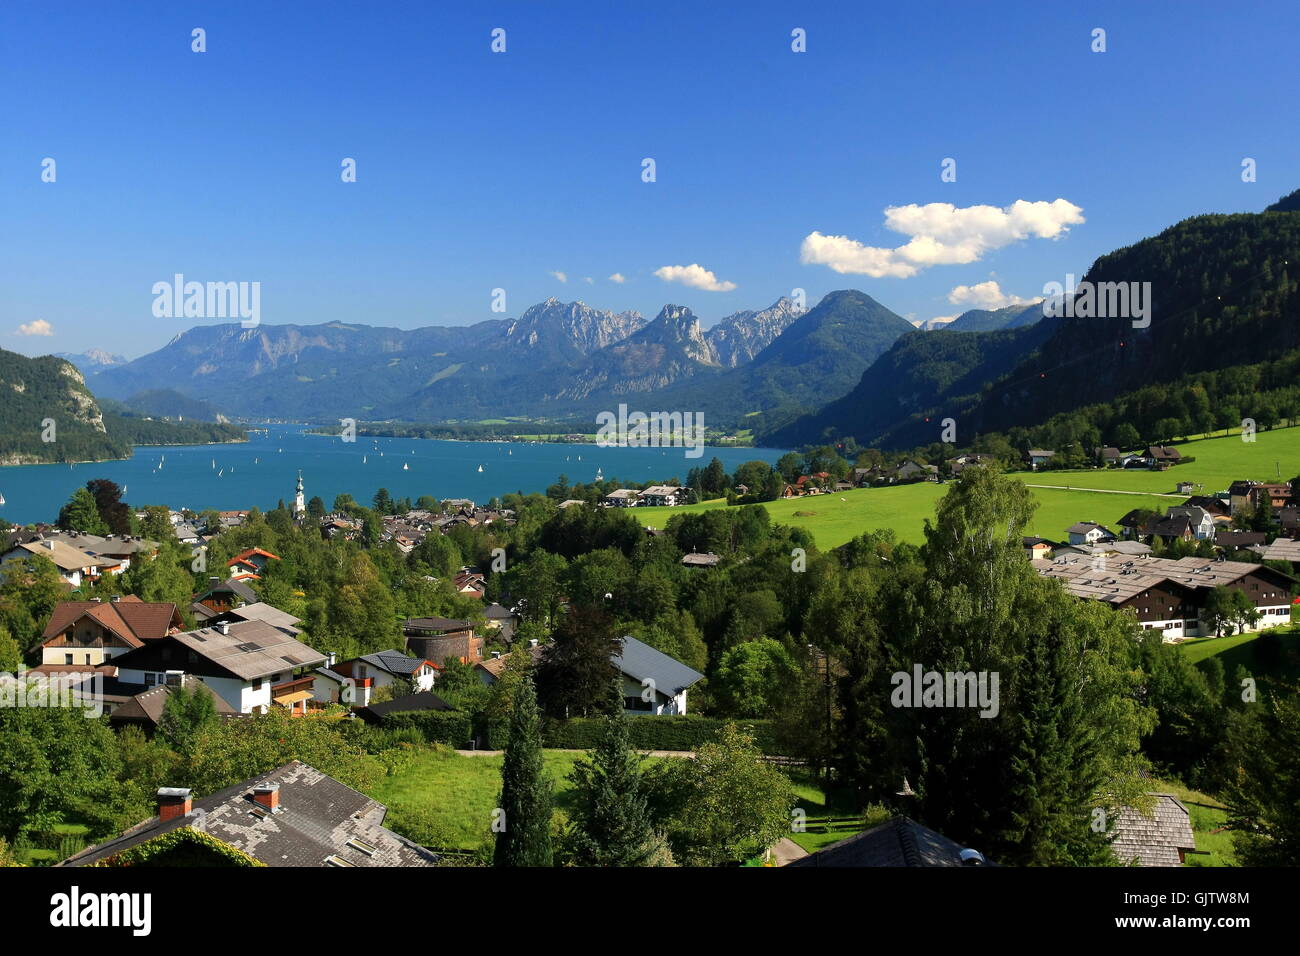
[662, 705]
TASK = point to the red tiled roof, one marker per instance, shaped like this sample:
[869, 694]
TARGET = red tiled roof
[131, 619]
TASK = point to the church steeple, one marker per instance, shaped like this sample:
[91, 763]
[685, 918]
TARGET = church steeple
[299, 504]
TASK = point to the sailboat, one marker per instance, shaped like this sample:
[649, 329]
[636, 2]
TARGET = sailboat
[214, 463]
[363, 459]
[2, 499]
[406, 467]
[480, 468]
[221, 472]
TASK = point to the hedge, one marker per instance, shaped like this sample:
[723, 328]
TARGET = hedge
[451, 727]
[656, 733]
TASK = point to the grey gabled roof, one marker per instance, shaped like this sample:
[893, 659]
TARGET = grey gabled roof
[898, 842]
[1156, 839]
[642, 662]
[395, 662]
[318, 818]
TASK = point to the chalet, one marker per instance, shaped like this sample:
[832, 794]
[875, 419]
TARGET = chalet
[489, 671]
[222, 596]
[707, 560]
[570, 502]
[1247, 495]
[470, 583]
[1162, 837]
[90, 633]
[75, 566]
[914, 471]
[1163, 456]
[292, 816]
[899, 841]
[1038, 457]
[653, 682]
[438, 638]
[622, 498]
[1283, 549]
[368, 673]
[1108, 455]
[1088, 532]
[1202, 522]
[1289, 518]
[1169, 595]
[250, 563]
[1217, 507]
[230, 519]
[961, 462]
[250, 664]
[1136, 524]
[664, 496]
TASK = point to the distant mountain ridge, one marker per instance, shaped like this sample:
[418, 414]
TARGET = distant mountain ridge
[555, 359]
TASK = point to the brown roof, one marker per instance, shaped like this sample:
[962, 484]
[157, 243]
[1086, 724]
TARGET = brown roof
[131, 619]
[148, 705]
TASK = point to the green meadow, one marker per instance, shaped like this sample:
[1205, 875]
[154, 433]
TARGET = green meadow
[838, 517]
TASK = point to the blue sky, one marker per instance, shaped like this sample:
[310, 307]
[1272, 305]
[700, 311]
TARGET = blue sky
[478, 170]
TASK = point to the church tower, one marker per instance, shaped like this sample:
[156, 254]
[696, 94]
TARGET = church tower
[299, 504]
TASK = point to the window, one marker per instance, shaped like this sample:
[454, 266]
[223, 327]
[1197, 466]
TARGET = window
[334, 860]
[67, 658]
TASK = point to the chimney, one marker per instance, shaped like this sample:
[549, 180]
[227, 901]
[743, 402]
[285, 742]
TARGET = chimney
[213, 581]
[115, 598]
[173, 802]
[496, 655]
[532, 642]
[267, 795]
[223, 627]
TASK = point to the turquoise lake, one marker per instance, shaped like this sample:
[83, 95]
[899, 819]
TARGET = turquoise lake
[264, 470]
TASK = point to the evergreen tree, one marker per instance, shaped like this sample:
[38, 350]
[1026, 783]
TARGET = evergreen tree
[576, 668]
[188, 711]
[609, 822]
[82, 514]
[526, 792]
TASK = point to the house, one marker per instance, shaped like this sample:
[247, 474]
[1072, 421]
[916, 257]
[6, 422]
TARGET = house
[570, 502]
[1136, 524]
[91, 633]
[251, 562]
[622, 498]
[1234, 540]
[900, 841]
[489, 671]
[653, 682]
[1169, 595]
[914, 471]
[1218, 508]
[470, 583]
[250, 664]
[369, 672]
[664, 496]
[1163, 456]
[230, 519]
[1289, 518]
[1202, 522]
[1161, 838]
[424, 700]
[145, 709]
[1037, 547]
[961, 462]
[1038, 457]
[1088, 532]
[438, 638]
[502, 620]
[1283, 549]
[258, 611]
[222, 596]
[1108, 455]
[1104, 550]
[74, 565]
[1172, 528]
[292, 816]
[707, 560]
[1247, 495]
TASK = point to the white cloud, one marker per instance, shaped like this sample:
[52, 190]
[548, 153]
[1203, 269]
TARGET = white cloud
[984, 295]
[941, 234]
[35, 327]
[695, 276]
[618, 277]
[589, 280]
[560, 275]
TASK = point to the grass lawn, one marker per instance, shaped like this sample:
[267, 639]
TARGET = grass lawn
[1267, 660]
[445, 800]
[1209, 817]
[829, 818]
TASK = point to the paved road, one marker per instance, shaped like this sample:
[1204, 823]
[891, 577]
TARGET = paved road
[787, 851]
[1110, 491]
[570, 750]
